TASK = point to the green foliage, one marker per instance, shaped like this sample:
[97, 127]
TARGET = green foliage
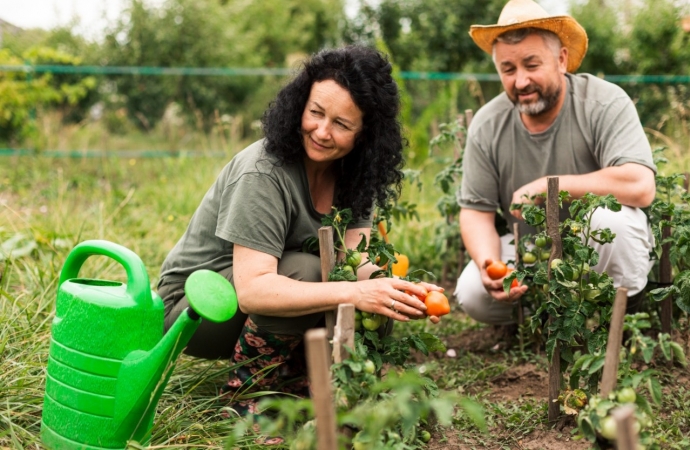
[22, 93]
[208, 33]
[427, 35]
[601, 21]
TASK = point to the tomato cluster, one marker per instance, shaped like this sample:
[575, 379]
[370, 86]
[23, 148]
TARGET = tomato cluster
[369, 321]
[498, 269]
[540, 252]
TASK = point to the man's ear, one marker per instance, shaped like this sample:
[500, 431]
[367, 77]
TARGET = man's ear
[563, 60]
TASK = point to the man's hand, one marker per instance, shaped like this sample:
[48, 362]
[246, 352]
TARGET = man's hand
[523, 195]
[495, 287]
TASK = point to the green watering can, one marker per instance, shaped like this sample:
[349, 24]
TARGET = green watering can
[109, 360]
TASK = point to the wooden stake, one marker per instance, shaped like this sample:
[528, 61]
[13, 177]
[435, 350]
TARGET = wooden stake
[469, 115]
[613, 347]
[318, 365]
[552, 228]
[666, 278]
[344, 334]
[626, 436]
[520, 312]
[327, 253]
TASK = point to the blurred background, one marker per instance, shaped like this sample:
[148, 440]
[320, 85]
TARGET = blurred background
[142, 76]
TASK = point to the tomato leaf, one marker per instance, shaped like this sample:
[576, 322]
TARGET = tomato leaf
[654, 390]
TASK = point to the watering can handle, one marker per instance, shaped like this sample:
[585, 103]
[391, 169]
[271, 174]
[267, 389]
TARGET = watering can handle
[137, 278]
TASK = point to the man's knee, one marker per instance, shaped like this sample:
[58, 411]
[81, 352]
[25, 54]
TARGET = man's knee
[476, 301]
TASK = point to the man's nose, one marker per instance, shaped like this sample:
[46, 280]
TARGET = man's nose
[522, 79]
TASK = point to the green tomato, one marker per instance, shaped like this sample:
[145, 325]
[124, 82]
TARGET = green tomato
[608, 427]
[369, 366]
[540, 241]
[576, 275]
[367, 314]
[371, 323]
[555, 263]
[545, 255]
[358, 314]
[585, 268]
[626, 395]
[347, 268]
[545, 288]
[529, 258]
[592, 294]
[354, 259]
[425, 436]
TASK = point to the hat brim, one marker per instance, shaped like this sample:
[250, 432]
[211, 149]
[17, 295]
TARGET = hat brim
[571, 34]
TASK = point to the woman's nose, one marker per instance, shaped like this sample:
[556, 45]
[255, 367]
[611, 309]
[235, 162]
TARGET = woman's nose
[323, 130]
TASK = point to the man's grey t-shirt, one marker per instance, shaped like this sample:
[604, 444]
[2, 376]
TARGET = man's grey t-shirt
[597, 127]
[255, 202]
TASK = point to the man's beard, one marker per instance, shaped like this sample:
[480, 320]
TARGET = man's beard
[545, 101]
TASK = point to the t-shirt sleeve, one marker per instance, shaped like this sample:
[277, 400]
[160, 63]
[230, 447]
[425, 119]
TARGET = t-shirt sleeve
[620, 138]
[479, 188]
[252, 213]
[363, 222]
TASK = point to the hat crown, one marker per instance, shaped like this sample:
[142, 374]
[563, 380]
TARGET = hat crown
[516, 11]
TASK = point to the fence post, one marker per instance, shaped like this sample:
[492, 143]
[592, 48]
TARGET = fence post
[327, 253]
[613, 347]
[552, 228]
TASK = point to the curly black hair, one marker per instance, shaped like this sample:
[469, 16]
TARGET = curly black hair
[371, 172]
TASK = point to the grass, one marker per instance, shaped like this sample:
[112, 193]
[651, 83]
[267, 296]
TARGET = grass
[51, 204]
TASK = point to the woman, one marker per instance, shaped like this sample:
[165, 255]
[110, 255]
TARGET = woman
[332, 138]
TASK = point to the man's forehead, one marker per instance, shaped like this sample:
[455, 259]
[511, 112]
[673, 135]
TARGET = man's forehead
[531, 46]
[512, 59]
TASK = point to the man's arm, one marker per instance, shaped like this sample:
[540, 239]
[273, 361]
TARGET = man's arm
[482, 242]
[632, 184]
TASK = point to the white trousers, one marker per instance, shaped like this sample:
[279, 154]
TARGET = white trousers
[626, 260]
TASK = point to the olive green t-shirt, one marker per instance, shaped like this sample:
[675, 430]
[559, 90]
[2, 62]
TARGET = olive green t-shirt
[255, 202]
[597, 127]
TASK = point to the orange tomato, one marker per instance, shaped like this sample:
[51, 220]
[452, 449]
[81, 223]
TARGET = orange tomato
[422, 298]
[400, 268]
[496, 269]
[436, 304]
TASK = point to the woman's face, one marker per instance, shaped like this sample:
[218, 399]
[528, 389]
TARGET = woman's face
[330, 122]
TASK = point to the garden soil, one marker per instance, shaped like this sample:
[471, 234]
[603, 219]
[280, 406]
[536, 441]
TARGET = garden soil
[523, 381]
[518, 382]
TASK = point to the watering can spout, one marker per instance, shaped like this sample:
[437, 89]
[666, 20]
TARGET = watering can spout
[144, 374]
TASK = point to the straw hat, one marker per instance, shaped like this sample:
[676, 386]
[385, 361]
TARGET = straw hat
[526, 13]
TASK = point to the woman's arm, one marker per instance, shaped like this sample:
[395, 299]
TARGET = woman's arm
[260, 290]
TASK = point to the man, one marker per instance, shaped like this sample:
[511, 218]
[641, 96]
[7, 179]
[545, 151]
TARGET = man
[549, 122]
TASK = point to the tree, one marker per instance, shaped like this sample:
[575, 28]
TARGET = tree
[206, 33]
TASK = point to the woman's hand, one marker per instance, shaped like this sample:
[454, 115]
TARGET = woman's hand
[394, 298]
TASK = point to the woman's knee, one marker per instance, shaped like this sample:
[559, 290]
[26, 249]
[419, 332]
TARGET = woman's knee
[300, 266]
